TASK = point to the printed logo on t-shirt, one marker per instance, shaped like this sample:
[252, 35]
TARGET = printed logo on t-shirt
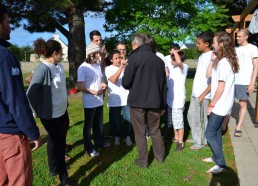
[15, 71]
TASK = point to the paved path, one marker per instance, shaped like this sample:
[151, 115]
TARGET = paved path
[246, 147]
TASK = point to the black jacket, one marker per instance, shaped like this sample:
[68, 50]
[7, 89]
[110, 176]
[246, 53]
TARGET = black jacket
[145, 79]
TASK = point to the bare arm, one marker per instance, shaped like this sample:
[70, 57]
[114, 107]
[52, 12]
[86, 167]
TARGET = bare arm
[114, 78]
[206, 91]
[178, 61]
[81, 87]
[28, 78]
[250, 88]
[218, 94]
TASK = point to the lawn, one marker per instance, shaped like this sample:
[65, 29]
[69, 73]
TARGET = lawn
[115, 165]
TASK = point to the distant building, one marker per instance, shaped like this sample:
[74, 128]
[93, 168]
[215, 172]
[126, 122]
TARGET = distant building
[34, 57]
[188, 46]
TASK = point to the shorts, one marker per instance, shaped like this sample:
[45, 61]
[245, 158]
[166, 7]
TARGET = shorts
[178, 118]
[240, 92]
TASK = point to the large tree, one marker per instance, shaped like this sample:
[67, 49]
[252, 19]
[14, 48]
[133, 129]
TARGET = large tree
[49, 15]
[167, 20]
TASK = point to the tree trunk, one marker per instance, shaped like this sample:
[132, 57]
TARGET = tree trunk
[76, 43]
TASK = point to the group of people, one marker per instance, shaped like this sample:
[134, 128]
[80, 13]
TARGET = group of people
[139, 87]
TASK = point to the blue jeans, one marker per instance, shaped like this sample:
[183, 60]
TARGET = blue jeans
[114, 121]
[214, 138]
[93, 118]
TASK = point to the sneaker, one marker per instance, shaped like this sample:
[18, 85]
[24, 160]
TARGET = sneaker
[93, 153]
[216, 170]
[117, 141]
[180, 146]
[209, 160]
[128, 141]
[106, 144]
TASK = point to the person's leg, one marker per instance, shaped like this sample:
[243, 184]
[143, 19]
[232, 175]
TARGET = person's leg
[153, 120]
[88, 123]
[193, 117]
[3, 175]
[127, 120]
[98, 128]
[169, 117]
[205, 104]
[138, 123]
[242, 113]
[15, 160]
[178, 124]
[115, 115]
[56, 129]
[214, 138]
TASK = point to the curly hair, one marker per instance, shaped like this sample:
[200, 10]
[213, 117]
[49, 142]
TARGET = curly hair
[46, 48]
[227, 50]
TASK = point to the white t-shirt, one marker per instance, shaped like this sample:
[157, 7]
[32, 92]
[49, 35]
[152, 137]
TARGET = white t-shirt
[91, 75]
[58, 89]
[245, 56]
[223, 73]
[200, 82]
[161, 56]
[117, 95]
[176, 85]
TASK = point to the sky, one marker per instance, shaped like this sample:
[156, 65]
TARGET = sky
[21, 37]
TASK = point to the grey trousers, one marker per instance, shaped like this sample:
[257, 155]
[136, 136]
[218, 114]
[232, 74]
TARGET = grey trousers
[139, 118]
[198, 120]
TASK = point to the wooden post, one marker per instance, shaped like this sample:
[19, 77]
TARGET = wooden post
[256, 105]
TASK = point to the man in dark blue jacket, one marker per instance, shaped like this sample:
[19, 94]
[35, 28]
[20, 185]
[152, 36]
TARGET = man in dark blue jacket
[145, 79]
[16, 120]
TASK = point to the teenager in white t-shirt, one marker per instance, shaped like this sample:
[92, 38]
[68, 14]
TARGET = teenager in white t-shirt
[222, 96]
[173, 46]
[90, 82]
[196, 116]
[117, 97]
[245, 79]
[176, 94]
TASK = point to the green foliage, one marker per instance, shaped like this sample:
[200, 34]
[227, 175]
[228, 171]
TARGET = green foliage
[21, 52]
[168, 21]
[192, 53]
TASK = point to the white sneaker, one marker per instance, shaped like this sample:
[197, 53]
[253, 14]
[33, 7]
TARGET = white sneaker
[117, 141]
[216, 170]
[209, 160]
[94, 153]
[128, 141]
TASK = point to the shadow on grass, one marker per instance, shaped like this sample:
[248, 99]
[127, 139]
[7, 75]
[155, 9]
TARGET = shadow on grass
[87, 171]
[227, 178]
[97, 165]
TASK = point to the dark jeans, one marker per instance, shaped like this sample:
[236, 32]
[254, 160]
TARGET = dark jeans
[93, 118]
[139, 119]
[114, 122]
[56, 146]
[214, 138]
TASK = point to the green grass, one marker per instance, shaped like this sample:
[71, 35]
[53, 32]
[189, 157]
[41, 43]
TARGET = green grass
[115, 165]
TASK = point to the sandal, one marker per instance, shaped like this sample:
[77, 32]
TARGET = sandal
[238, 133]
[190, 141]
[196, 147]
[216, 170]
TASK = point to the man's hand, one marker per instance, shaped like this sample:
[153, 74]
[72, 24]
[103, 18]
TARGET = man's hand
[250, 89]
[103, 86]
[37, 144]
[200, 99]
[162, 111]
